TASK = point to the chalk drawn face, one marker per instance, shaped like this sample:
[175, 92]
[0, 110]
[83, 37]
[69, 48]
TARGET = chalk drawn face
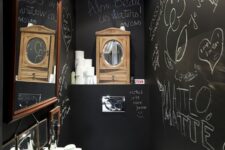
[211, 50]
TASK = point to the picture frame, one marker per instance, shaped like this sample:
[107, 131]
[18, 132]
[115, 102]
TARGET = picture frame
[10, 145]
[54, 125]
[43, 133]
[28, 139]
[15, 110]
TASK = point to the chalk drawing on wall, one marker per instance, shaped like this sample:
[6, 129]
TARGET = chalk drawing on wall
[214, 3]
[193, 20]
[180, 50]
[185, 77]
[175, 9]
[155, 57]
[211, 50]
[203, 99]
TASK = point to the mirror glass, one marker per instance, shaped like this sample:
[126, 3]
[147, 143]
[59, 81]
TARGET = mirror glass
[11, 145]
[28, 139]
[43, 133]
[36, 49]
[113, 52]
[54, 126]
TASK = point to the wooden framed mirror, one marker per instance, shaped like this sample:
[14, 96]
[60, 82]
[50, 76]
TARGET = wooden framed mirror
[33, 56]
[113, 56]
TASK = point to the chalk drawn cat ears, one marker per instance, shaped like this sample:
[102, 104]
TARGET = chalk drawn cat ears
[211, 50]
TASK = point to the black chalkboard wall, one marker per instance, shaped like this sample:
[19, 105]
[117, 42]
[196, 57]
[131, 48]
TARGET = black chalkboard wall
[185, 46]
[95, 15]
[90, 128]
[66, 55]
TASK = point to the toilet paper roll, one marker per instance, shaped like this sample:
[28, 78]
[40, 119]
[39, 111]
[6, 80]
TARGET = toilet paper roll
[73, 80]
[88, 63]
[94, 79]
[70, 147]
[90, 71]
[79, 62]
[80, 80]
[79, 70]
[79, 54]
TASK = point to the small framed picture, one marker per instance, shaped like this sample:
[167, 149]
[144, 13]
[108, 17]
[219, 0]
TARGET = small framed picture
[11, 145]
[55, 124]
[43, 133]
[28, 140]
[113, 103]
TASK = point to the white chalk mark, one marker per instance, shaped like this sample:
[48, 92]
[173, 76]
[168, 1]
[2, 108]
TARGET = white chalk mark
[160, 85]
[174, 17]
[185, 77]
[155, 57]
[224, 146]
[193, 19]
[206, 92]
[211, 51]
[180, 50]
[209, 117]
[213, 2]
[168, 60]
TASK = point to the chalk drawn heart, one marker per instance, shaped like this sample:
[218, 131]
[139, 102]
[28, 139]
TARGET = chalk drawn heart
[211, 51]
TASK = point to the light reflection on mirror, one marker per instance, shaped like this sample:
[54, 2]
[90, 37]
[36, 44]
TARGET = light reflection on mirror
[113, 52]
[28, 139]
[43, 133]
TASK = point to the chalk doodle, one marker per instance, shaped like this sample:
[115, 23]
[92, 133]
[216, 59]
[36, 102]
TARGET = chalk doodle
[173, 12]
[213, 2]
[168, 60]
[160, 85]
[211, 51]
[224, 146]
[180, 50]
[67, 28]
[155, 57]
[39, 2]
[204, 95]
[186, 77]
[175, 9]
[155, 21]
[63, 85]
[193, 20]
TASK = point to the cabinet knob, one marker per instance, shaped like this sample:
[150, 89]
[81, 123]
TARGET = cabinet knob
[113, 77]
[33, 74]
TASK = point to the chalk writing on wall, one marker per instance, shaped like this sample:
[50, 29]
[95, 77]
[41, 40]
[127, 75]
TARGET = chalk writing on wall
[138, 101]
[186, 110]
[27, 99]
[155, 21]
[38, 12]
[129, 13]
[67, 28]
[64, 79]
[155, 57]
[193, 55]
[211, 50]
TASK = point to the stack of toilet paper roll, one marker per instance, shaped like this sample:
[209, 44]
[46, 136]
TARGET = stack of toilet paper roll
[84, 71]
